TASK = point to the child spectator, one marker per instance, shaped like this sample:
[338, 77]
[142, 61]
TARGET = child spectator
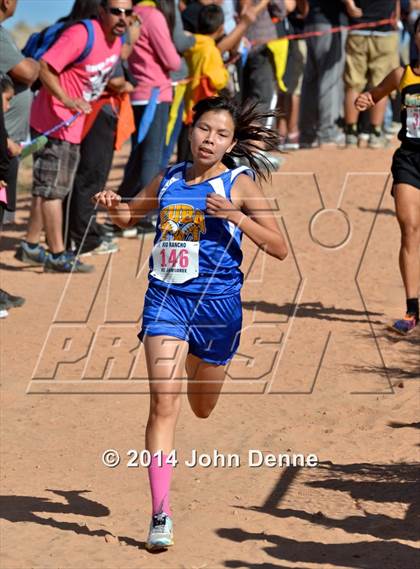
[6, 94]
[23, 71]
[207, 70]
[208, 74]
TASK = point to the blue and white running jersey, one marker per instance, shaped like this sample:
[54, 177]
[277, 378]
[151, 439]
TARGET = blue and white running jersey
[194, 252]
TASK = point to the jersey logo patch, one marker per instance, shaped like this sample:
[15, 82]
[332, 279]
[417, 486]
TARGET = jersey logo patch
[181, 222]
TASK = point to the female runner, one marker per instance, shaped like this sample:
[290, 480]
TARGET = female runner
[406, 175]
[193, 305]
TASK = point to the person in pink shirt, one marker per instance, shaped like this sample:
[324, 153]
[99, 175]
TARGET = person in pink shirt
[153, 57]
[68, 88]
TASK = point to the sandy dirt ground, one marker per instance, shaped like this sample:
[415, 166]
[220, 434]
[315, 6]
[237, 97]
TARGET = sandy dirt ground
[317, 372]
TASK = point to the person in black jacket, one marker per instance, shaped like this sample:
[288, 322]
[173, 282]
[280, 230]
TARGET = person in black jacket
[6, 92]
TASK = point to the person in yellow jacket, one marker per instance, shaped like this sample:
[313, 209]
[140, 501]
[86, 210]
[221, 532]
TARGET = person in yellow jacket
[206, 69]
[207, 72]
[208, 75]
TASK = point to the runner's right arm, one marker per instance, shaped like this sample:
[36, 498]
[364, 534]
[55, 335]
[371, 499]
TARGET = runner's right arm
[369, 99]
[125, 214]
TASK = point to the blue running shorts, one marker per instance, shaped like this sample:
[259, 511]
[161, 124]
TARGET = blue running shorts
[211, 326]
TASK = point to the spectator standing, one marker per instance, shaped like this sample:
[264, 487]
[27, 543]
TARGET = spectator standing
[293, 76]
[259, 81]
[4, 173]
[68, 88]
[183, 41]
[371, 54]
[84, 233]
[23, 71]
[207, 69]
[7, 300]
[154, 56]
[322, 97]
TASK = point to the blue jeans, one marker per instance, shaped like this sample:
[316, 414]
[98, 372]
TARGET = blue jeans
[322, 96]
[145, 160]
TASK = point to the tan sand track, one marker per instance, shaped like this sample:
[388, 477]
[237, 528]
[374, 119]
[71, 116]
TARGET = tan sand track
[317, 372]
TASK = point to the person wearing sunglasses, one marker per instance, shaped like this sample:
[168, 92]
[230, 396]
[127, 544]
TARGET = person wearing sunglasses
[115, 16]
[72, 80]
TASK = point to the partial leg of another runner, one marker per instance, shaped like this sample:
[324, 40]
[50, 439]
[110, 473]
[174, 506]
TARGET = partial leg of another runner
[407, 202]
[165, 357]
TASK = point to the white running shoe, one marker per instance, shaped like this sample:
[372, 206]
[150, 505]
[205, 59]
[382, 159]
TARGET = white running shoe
[104, 248]
[160, 533]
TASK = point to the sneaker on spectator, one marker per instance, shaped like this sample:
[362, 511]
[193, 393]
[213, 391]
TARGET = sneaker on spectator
[377, 141]
[112, 231]
[291, 142]
[146, 225]
[309, 144]
[67, 262]
[282, 142]
[392, 128]
[31, 255]
[105, 248]
[363, 139]
[351, 139]
[3, 313]
[126, 232]
[338, 140]
[9, 301]
[274, 162]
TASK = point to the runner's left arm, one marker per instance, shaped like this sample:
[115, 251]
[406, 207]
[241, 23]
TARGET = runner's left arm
[252, 213]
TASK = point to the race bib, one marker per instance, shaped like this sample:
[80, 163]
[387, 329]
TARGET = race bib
[175, 261]
[412, 102]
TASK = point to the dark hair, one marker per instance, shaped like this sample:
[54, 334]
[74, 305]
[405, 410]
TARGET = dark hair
[210, 18]
[6, 84]
[84, 9]
[167, 7]
[416, 24]
[253, 137]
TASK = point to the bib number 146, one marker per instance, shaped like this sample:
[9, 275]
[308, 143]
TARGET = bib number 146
[172, 259]
[175, 261]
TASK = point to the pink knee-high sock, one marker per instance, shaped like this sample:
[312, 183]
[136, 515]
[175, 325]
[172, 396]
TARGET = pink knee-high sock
[160, 482]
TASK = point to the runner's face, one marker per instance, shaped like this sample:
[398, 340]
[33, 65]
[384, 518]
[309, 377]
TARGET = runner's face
[212, 136]
[116, 23]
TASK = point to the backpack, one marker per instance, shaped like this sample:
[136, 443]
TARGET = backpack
[40, 42]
